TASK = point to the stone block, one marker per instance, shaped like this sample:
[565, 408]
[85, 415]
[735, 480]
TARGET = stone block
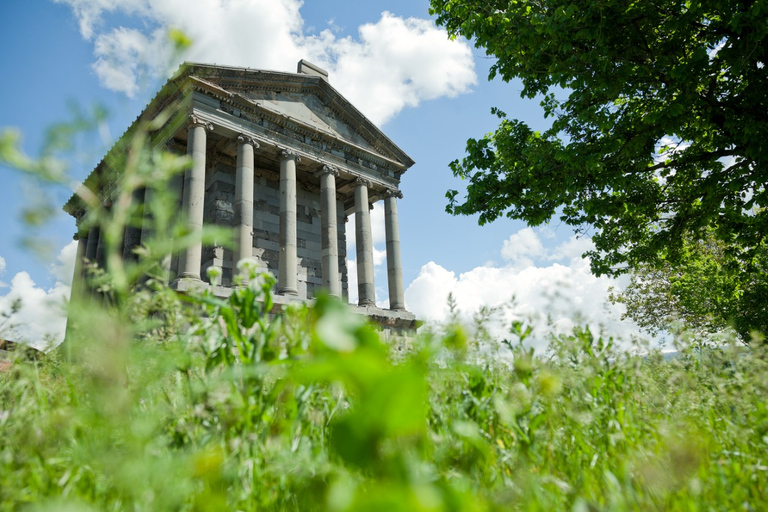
[312, 246]
[268, 244]
[271, 236]
[199, 97]
[266, 226]
[317, 281]
[303, 289]
[226, 179]
[268, 217]
[306, 234]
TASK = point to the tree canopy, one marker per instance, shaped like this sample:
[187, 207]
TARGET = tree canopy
[659, 122]
[704, 293]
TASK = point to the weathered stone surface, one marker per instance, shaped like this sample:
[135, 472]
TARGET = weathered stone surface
[365, 287]
[194, 194]
[394, 263]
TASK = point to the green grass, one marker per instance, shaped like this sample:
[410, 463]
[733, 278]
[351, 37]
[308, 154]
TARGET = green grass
[311, 411]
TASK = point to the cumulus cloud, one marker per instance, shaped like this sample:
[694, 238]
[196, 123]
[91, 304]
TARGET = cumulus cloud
[522, 247]
[88, 12]
[123, 57]
[397, 63]
[2, 271]
[552, 295]
[35, 315]
[392, 64]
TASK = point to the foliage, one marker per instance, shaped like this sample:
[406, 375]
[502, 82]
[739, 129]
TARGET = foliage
[658, 122]
[311, 411]
[705, 293]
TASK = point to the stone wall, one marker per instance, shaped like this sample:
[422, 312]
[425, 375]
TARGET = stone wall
[219, 211]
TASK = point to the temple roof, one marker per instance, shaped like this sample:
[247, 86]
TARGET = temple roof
[305, 101]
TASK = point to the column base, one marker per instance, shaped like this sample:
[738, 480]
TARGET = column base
[366, 303]
[288, 291]
[185, 284]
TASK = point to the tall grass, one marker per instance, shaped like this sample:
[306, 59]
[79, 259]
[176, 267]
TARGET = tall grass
[311, 411]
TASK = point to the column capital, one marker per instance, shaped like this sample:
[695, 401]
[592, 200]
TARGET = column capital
[393, 192]
[194, 120]
[327, 169]
[289, 153]
[247, 139]
[362, 181]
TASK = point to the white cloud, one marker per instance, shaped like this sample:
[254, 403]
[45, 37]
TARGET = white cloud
[40, 317]
[88, 12]
[124, 56]
[521, 247]
[392, 64]
[379, 257]
[2, 271]
[550, 296]
[64, 268]
[572, 249]
[397, 63]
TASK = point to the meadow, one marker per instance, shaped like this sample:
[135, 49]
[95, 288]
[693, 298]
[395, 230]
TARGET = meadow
[213, 404]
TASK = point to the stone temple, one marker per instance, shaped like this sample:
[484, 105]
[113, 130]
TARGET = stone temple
[282, 159]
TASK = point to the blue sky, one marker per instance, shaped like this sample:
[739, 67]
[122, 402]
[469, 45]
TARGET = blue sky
[430, 95]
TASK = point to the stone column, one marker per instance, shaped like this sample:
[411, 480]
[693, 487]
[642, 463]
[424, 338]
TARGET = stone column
[78, 291]
[100, 250]
[243, 200]
[330, 234]
[365, 288]
[148, 194]
[177, 191]
[147, 231]
[93, 243]
[394, 263]
[132, 233]
[194, 196]
[288, 280]
[91, 248]
[78, 277]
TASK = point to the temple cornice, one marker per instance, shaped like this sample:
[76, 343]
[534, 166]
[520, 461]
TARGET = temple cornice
[265, 137]
[256, 112]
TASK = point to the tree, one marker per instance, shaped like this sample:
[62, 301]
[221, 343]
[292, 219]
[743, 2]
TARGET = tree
[705, 293]
[659, 123]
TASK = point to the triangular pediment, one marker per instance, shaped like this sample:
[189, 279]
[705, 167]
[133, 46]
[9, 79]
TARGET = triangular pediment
[305, 99]
[310, 110]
